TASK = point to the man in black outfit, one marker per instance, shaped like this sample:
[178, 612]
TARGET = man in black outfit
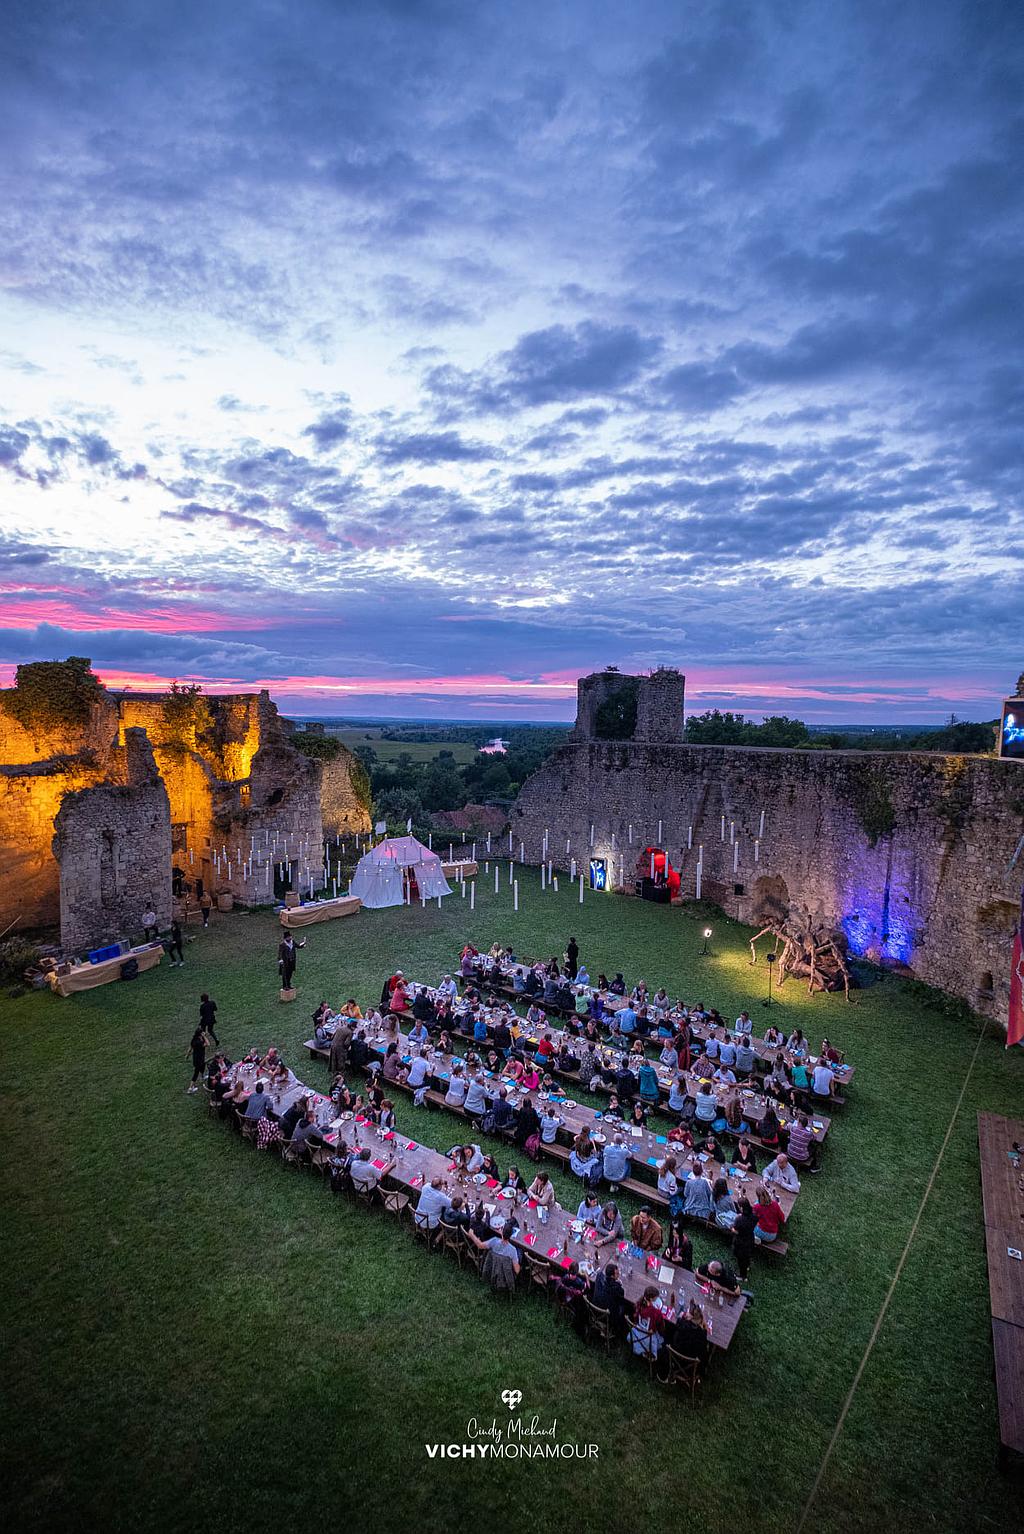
[207, 1017]
[286, 959]
[572, 955]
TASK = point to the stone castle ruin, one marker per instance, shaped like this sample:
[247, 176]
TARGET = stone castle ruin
[907, 858]
[109, 799]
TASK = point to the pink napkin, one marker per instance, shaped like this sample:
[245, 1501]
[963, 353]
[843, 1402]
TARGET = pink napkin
[380, 1165]
[530, 1238]
[492, 1182]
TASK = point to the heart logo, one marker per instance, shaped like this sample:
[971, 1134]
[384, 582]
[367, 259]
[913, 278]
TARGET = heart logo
[511, 1398]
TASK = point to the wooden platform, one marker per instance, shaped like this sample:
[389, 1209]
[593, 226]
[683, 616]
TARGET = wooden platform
[1002, 1193]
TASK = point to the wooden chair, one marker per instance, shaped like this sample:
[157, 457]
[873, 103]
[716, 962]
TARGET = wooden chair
[291, 1155]
[538, 1273]
[644, 1346]
[396, 1202]
[248, 1128]
[473, 1254]
[599, 1325]
[319, 1159]
[423, 1232]
[677, 1369]
[366, 1197]
[449, 1239]
[564, 1305]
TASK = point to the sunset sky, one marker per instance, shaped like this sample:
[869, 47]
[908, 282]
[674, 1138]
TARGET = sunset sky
[418, 358]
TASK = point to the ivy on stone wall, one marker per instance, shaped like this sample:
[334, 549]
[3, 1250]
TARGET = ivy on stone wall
[325, 748]
[49, 694]
[954, 803]
[360, 779]
[869, 794]
[187, 717]
[615, 718]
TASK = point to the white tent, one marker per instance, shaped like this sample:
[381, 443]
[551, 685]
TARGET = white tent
[381, 873]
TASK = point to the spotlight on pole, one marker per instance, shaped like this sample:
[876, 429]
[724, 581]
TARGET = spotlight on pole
[707, 940]
[771, 957]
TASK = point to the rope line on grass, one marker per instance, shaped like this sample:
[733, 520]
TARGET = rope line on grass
[891, 1291]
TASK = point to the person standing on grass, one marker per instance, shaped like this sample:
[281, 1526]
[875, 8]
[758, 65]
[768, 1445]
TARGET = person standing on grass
[206, 906]
[174, 946]
[197, 1049]
[208, 1017]
[572, 958]
[286, 959]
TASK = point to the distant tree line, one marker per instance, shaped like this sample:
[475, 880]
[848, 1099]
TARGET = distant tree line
[715, 728]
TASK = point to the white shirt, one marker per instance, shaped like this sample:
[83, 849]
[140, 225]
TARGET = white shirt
[456, 1093]
[418, 1072]
[783, 1177]
[823, 1078]
[433, 1202]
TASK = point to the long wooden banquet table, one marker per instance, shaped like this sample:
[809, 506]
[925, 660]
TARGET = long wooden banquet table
[765, 1054]
[1002, 1193]
[647, 1148]
[558, 1241]
[753, 1103]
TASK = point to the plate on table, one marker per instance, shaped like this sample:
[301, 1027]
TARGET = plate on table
[506, 1193]
[598, 1138]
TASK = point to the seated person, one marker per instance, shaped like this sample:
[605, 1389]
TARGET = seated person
[698, 1195]
[259, 1102]
[609, 1224]
[823, 1079]
[609, 1295]
[690, 1335]
[743, 1156]
[589, 1209]
[616, 1161]
[566, 1061]
[542, 1191]
[365, 1176]
[801, 1145]
[433, 1202]
[769, 1217]
[706, 1110]
[724, 1209]
[780, 1174]
[585, 1159]
[679, 1250]
[645, 1231]
[720, 1276]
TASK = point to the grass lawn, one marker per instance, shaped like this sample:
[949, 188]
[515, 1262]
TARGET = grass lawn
[195, 1336]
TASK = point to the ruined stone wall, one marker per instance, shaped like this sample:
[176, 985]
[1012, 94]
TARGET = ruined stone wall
[235, 786]
[343, 811]
[29, 877]
[38, 767]
[931, 890]
[660, 699]
[113, 845]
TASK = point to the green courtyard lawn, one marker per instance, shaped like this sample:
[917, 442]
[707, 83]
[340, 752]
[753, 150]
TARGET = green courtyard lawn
[196, 1337]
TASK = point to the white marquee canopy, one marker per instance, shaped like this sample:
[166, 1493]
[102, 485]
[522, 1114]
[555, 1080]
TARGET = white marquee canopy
[381, 874]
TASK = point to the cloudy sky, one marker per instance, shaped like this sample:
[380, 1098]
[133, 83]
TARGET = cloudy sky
[417, 357]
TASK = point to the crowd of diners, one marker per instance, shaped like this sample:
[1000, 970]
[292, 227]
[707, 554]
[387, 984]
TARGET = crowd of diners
[254, 1096]
[421, 1027]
